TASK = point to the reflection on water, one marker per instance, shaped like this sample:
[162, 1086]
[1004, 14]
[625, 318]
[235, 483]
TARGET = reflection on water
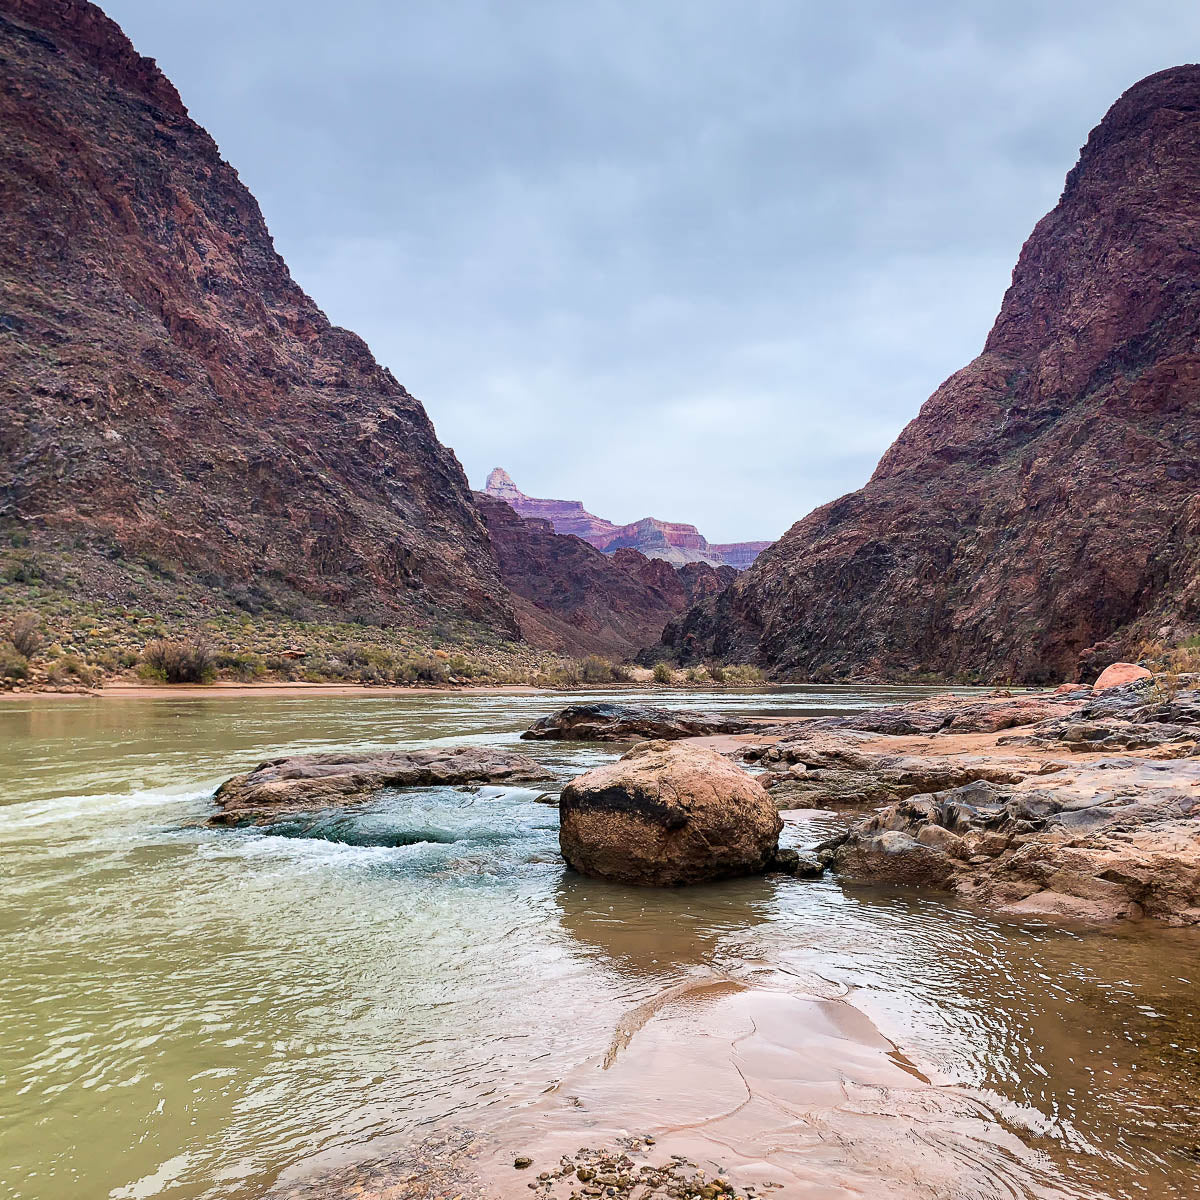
[188, 1011]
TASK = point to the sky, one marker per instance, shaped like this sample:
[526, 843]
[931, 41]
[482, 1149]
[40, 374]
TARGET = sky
[692, 259]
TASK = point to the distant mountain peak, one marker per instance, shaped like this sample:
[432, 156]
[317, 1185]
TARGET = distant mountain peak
[671, 541]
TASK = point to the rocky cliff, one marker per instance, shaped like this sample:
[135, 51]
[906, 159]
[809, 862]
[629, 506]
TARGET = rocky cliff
[1042, 512]
[168, 390]
[671, 541]
[572, 599]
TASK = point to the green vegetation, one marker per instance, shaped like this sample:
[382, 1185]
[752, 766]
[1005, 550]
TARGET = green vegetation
[662, 673]
[189, 661]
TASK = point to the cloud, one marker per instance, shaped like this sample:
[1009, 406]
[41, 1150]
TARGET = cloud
[694, 259]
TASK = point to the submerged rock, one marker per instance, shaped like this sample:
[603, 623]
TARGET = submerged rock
[631, 722]
[313, 781]
[668, 814]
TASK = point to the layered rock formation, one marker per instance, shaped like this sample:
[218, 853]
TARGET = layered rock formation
[572, 599]
[168, 389]
[670, 541]
[314, 781]
[604, 722]
[1042, 512]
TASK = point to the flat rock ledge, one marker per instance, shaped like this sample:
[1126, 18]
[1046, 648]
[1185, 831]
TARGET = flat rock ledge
[314, 781]
[634, 722]
[1103, 840]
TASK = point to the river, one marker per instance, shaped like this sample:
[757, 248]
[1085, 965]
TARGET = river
[190, 1011]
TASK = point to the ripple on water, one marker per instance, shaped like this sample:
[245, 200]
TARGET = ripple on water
[189, 1009]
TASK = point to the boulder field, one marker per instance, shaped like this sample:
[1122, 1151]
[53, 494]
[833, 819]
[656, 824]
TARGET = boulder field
[1083, 803]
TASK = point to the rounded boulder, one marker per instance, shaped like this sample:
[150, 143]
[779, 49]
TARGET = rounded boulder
[668, 814]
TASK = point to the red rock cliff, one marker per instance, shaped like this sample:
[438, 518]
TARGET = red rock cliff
[1042, 510]
[167, 387]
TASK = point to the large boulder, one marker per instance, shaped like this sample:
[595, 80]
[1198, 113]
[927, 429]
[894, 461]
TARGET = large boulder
[1119, 673]
[668, 814]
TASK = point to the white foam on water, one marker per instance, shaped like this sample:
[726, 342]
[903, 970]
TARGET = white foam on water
[37, 814]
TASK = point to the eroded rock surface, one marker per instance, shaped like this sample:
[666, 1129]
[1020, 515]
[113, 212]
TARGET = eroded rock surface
[1106, 839]
[1040, 515]
[630, 722]
[832, 772]
[305, 782]
[668, 814]
[169, 392]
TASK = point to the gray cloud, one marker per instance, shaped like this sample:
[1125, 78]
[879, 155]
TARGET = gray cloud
[697, 259]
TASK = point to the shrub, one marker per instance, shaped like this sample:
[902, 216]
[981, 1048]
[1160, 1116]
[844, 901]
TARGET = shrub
[242, 664]
[70, 669]
[716, 672]
[743, 674]
[25, 633]
[14, 666]
[662, 673]
[461, 666]
[189, 661]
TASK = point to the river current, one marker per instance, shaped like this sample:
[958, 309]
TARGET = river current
[188, 1011]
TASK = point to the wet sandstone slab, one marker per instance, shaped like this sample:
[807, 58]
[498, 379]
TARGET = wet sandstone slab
[313, 781]
[714, 1089]
[605, 722]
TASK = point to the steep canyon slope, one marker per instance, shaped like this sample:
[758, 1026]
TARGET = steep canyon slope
[168, 390]
[1041, 514]
[572, 599]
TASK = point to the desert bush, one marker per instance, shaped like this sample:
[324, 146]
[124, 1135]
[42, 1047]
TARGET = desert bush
[694, 675]
[14, 666]
[70, 669]
[244, 665]
[662, 673]
[187, 661]
[25, 633]
[716, 672]
[743, 674]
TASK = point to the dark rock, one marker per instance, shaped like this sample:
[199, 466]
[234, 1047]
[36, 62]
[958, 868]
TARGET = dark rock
[630, 722]
[306, 782]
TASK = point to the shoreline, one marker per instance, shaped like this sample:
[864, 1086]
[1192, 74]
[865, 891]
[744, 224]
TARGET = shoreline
[129, 689]
[169, 691]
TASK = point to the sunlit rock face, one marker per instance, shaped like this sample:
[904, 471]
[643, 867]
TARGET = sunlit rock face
[670, 541]
[1041, 515]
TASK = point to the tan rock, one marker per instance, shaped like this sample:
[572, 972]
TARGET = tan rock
[1119, 673]
[666, 814]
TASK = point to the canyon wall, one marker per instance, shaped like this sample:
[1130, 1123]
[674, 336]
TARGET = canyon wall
[671, 541]
[1041, 514]
[169, 391]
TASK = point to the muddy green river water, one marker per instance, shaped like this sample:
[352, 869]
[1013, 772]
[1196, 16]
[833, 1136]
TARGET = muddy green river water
[188, 1012]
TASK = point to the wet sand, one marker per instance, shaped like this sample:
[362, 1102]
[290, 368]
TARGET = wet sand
[774, 1092]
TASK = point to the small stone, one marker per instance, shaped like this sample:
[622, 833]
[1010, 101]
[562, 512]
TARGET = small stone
[522, 1161]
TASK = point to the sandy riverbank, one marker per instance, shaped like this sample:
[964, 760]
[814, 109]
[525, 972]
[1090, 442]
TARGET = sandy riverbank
[123, 690]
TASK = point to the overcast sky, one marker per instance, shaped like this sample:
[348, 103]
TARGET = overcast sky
[694, 259]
